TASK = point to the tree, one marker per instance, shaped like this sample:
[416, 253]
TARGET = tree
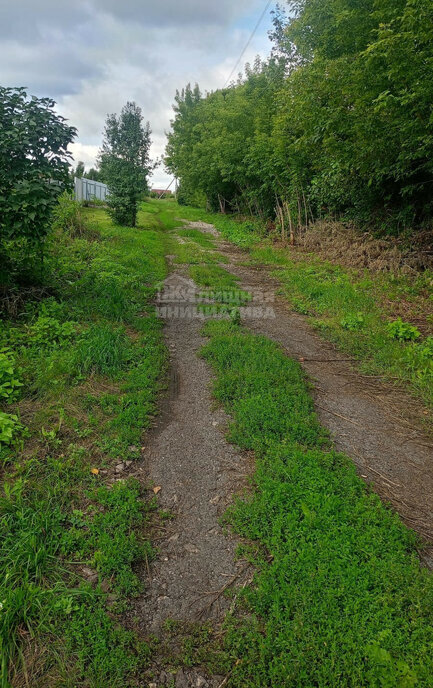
[125, 163]
[79, 170]
[34, 163]
[93, 174]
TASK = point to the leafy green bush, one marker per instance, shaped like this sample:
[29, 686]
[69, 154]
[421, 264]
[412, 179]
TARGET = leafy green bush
[33, 163]
[9, 383]
[427, 347]
[50, 332]
[9, 391]
[9, 427]
[353, 322]
[403, 331]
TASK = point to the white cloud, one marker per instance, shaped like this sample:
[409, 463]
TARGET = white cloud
[84, 152]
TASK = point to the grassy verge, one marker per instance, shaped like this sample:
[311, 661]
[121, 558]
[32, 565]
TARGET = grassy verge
[350, 310]
[339, 597]
[383, 320]
[80, 371]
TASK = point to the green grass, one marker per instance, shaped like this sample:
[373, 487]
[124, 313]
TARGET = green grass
[347, 310]
[339, 598]
[355, 311]
[189, 253]
[212, 276]
[221, 286]
[245, 234]
[90, 360]
[201, 238]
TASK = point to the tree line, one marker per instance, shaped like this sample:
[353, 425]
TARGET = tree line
[337, 121]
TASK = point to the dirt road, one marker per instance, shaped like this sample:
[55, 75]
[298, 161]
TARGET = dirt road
[188, 457]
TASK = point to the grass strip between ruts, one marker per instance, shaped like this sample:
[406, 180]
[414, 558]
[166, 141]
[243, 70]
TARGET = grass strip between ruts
[339, 598]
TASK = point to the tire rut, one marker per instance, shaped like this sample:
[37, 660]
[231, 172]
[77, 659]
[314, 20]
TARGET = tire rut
[198, 472]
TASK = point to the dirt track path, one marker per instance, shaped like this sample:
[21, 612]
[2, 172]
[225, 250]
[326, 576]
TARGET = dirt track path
[198, 471]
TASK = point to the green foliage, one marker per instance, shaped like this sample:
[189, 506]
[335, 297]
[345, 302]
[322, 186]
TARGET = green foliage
[124, 162]
[9, 382]
[337, 121]
[10, 387]
[107, 537]
[79, 170]
[94, 174]
[9, 427]
[48, 332]
[353, 322]
[404, 332]
[339, 597]
[33, 164]
[106, 653]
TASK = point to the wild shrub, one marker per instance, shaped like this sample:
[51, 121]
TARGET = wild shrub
[9, 382]
[9, 427]
[403, 331]
[67, 216]
[353, 322]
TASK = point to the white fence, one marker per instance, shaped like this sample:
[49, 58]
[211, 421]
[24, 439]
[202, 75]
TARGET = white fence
[88, 190]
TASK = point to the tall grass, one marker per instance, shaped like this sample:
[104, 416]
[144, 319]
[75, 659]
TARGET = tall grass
[90, 359]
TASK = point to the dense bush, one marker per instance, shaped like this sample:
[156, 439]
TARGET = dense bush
[33, 164]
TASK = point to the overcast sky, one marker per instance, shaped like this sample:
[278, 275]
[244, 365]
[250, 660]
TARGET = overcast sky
[92, 56]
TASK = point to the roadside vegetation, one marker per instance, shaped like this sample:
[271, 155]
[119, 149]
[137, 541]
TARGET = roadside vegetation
[81, 364]
[338, 596]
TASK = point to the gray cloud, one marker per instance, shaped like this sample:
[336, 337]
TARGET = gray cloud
[57, 69]
[94, 55]
[173, 12]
